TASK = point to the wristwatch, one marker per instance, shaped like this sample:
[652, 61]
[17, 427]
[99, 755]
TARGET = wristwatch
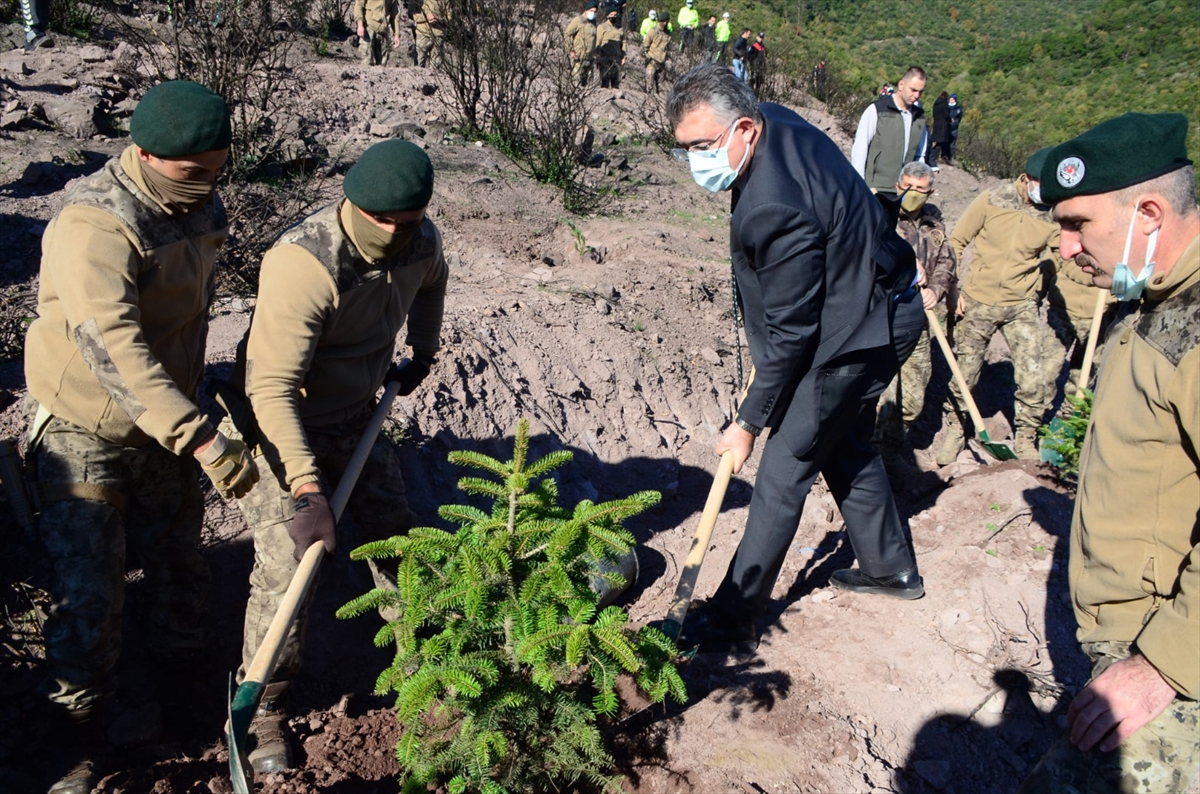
[749, 428]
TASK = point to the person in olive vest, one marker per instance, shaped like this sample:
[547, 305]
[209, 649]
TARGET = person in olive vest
[891, 133]
[114, 363]
[334, 291]
[1124, 195]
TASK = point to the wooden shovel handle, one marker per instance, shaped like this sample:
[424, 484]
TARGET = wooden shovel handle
[1089, 353]
[695, 558]
[936, 328]
[267, 657]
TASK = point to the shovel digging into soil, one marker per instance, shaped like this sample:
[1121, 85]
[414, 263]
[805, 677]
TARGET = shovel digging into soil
[244, 702]
[997, 449]
[677, 614]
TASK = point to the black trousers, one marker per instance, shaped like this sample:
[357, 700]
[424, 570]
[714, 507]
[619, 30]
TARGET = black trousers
[854, 472]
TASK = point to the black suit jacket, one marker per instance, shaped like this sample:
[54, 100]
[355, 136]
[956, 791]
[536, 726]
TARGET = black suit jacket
[817, 262]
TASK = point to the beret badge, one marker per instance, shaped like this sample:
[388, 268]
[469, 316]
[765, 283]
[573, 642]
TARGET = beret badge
[1070, 172]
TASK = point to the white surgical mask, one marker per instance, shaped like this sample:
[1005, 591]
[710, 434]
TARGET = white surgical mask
[710, 168]
[591, 15]
[1125, 286]
[1035, 191]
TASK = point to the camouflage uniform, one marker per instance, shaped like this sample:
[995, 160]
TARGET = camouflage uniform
[113, 418]
[1161, 757]
[381, 23]
[1011, 238]
[317, 351]
[1134, 563]
[580, 41]
[378, 503]
[927, 235]
[153, 503]
[430, 35]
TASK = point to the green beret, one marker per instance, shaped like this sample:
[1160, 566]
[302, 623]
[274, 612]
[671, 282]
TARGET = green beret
[179, 118]
[590, 4]
[392, 176]
[1033, 166]
[1116, 154]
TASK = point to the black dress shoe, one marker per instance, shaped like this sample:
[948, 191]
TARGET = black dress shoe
[717, 631]
[906, 584]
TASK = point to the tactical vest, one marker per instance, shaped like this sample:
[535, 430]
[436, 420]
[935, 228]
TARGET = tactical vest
[322, 236]
[887, 154]
[114, 192]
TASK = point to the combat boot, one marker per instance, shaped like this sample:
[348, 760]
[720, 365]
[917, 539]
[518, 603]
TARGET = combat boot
[952, 445]
[82, 735]
[270, 751]
[1026, 445]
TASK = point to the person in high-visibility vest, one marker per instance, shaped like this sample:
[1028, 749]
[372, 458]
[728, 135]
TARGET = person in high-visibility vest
[689, 20]
[723, 35]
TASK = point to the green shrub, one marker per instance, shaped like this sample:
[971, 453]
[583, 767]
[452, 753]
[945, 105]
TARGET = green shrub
[1062, 439]
[503, 664]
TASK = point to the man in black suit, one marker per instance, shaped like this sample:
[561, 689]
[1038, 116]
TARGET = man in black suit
[819, 270]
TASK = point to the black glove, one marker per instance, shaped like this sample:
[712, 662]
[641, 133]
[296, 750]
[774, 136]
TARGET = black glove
[314, 522]
[410, 372]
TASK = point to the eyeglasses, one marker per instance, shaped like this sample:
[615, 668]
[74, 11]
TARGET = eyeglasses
[681, 154]
[914, 189]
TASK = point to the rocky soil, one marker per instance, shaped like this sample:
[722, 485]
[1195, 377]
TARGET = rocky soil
[617, 341]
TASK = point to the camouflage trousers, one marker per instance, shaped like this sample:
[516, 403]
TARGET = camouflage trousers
[1070, 333]
[375, 49]
[1162, 757]
[429, 49]
[904, 398]
[1023, 331]
[150, 502]
[378, 503]
[581, 71]
[653, 70]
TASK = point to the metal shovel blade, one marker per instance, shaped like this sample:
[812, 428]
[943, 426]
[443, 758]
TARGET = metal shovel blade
[997, 449]
[238, 721]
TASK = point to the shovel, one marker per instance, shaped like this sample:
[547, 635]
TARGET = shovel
[244, 702]
[1089, 353]
[673, 624]
[997, 449]
[691, 567]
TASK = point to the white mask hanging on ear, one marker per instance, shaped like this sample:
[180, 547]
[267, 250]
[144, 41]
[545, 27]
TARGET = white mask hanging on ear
[1125, 286]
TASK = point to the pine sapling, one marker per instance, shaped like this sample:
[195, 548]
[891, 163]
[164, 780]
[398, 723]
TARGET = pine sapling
[504, 664]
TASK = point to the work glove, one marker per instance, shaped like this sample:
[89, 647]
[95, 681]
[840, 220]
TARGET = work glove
[229, 465]
[410, 372]
[314, 522]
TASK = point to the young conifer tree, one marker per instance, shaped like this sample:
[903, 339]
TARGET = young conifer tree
[503, 663]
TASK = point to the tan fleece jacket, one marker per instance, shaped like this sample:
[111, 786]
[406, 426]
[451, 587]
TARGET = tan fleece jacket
[118, 345]
[1135, 563]
[656, 43]
[1011, 237]
[324, 330]
[580, 37]
[378, 15]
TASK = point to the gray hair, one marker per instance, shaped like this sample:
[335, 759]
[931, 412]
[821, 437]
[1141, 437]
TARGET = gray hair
[713, 85]
[917, 170]
[1178, 187]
